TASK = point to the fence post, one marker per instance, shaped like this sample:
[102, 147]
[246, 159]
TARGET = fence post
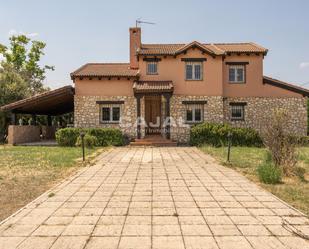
[229, 137]
[82, 135]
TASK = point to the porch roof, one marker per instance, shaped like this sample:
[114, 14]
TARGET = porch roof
[153, 86]
[54, 102]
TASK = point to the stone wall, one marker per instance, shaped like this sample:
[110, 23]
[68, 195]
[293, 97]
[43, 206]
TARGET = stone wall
[87, 113]
[18, 134]
[213, 112]
[259, 111]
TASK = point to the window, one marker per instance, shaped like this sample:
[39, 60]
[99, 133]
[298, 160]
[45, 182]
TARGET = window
[237, 112]
[110, 114]
[194, 71]
[152, 67]
[237, 73]
[194, 113]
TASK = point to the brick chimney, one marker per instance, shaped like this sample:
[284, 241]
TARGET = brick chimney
[135, 43]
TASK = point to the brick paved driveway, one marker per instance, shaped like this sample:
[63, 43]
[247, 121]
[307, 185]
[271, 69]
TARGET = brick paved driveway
[155, 198]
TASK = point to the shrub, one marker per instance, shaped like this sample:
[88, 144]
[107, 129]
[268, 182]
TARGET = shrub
[281, 142]
[217, 135]
[103, 136]
[107, 136]
[89, 141]
[300, 173]
[67, 136]
[268, 172]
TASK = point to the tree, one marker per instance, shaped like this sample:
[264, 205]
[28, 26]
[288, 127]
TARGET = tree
[22, 57]
[21, 75]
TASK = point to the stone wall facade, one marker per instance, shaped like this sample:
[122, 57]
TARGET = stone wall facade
[258, 110]
[212, 112]
[87, 113]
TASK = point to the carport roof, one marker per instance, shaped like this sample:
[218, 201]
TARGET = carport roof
[53, 102]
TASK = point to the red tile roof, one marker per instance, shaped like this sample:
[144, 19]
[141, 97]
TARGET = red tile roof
[105, 70]
[153, 86]
[215, 48]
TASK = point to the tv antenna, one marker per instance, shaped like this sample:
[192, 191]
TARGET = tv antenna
[138, 21]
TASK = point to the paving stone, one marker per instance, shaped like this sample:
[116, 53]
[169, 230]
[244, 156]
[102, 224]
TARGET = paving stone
[155, 198]
[103, 242]
[200, 242]
[37, 243]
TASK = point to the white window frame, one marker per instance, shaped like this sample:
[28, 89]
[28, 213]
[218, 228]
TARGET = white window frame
[110, 107]
[194, 64]
[240, 107]
[150, 72]
[235, 67]
[194, 107]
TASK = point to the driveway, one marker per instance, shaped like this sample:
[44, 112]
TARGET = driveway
[155, 198]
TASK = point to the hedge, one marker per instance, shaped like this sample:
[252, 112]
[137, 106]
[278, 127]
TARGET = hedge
[104, 136]
[217, 135]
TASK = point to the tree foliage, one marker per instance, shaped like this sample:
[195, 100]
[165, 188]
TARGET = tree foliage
[20, 67]
[21, 74]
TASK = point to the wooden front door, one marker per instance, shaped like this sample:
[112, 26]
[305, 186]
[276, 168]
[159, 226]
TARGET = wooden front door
[153, 114]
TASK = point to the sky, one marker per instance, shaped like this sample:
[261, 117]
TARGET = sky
[77, 32]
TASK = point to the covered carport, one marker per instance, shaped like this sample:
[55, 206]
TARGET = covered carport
[51, 103]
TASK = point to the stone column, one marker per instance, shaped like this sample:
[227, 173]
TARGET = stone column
[33, 119]
[167, 109]
[49, 120]
[13, 118]
[138, 107]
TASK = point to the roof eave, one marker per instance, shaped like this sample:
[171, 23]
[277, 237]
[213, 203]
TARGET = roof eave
[286, 86]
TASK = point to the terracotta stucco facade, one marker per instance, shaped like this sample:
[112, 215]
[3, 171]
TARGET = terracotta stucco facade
[214, 90]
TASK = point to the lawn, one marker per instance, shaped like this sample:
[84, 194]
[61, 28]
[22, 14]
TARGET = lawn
[246, 160]
[27, 172]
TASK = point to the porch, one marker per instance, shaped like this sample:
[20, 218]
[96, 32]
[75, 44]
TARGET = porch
[153, 111]
[42, 108]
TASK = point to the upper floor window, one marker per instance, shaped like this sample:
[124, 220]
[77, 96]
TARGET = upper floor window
[237, 73]
[110, 113]
[194, 70]
[152, 67]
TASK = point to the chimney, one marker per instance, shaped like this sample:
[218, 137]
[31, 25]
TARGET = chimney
[135, 43]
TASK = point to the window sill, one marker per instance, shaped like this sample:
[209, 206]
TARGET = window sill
[152, 73]
[235, 119]
[193, 80]
[193, 123]
[236, 82]
[109, 122]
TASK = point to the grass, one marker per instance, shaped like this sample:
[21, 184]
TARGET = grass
[293, 190]
[27, 172]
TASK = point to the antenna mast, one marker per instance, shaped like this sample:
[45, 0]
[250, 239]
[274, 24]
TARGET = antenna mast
[138, 21]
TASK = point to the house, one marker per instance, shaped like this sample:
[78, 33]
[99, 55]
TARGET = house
[166, 88]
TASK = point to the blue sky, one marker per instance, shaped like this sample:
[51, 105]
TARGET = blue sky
[77, 32]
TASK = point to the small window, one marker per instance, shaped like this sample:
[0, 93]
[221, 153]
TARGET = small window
[194, 71]
[194, 113]
[152, 67]
[237, 112]
[237, 73]
[110, 114]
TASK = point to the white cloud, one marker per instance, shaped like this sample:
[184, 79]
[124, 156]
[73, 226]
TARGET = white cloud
[304, 65]
[14, 32]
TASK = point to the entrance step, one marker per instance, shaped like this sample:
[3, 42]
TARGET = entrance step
[155, 141]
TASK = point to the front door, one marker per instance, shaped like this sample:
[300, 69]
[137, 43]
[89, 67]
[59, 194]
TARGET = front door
[153, 114]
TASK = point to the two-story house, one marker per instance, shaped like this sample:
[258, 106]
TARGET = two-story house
[166, 88]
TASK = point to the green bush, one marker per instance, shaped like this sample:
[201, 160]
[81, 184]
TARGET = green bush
[217, 135]
[268, 172]
[89, 141]
[67, 136]
[107, 136]
[103, 136]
